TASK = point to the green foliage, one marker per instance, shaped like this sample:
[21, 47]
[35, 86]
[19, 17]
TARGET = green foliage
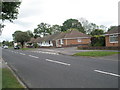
[95, 53]
[72, 23]
[8, 80]
[42, 29]
[21, 37]
[97, 32]
[8, 43]
[98, 41]
[35, 45]
[10, 10]
[30, 33]
[55, 28]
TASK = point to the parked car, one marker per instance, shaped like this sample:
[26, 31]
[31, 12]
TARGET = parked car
[16, 47]
[5, 47]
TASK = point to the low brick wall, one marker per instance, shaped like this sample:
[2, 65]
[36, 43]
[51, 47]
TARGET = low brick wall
[98, 48]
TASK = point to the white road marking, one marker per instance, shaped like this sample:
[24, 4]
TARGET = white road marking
[107, 73]
[33, 56]
[52, 53]
[22, 53]
[58, 62]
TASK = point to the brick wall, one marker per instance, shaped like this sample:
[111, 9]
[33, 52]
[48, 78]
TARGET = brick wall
[108, 44]
[75, 41]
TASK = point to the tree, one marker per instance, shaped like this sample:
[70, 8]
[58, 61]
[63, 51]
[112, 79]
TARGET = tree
[9, 11]
[97, 32]
[72, 23]
[89, 27]
[86, 25]
[43, 29]
[30, 33]
[21, 37]
[55, 28]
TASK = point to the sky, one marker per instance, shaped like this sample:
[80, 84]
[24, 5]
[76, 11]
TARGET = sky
[33, 12]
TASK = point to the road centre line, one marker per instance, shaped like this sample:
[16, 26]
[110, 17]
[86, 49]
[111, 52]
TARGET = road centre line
[107, 73]
[33, 56]
[58, 62]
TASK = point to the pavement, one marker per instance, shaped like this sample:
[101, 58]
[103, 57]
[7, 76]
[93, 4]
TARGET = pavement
[43, 69]
[73, 50]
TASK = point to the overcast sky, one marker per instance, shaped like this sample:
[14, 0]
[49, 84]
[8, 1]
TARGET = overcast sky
[33, 12]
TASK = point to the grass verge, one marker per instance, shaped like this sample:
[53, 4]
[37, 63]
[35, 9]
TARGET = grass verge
[9, 80]
[27, 48]
[95, 53]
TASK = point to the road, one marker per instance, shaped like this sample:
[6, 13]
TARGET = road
[51, 70]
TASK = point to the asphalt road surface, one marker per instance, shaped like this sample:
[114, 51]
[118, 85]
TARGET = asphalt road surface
[51, 70]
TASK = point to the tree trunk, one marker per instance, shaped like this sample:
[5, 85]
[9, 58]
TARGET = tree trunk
[22, 43]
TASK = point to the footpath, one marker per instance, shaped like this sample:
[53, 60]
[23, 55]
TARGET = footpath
[73, 50]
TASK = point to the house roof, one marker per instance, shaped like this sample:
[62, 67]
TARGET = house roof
[73, 33]
[31, 40]
[114, 30]
[52, 37]
[38, 39]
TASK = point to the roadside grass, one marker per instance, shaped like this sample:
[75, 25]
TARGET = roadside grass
[27, 48]
[96, 53]
[9, 80]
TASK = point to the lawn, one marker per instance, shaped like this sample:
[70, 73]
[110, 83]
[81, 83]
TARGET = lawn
[27, 48]
[9, 80]
[95, 53]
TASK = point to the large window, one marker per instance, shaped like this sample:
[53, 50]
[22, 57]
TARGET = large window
[113, 38]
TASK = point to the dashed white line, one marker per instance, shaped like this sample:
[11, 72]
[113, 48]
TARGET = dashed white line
[33, 56]
[22, 54]
[107, 73]
[58, 62]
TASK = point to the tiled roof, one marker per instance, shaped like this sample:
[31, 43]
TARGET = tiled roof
[31, 40]
[114, 30]
[73, 33]
[38, 39]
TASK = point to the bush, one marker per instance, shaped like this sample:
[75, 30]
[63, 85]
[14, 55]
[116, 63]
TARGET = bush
[98, 41]
[35, 45]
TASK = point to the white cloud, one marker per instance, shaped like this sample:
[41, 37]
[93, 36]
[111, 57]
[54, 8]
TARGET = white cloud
[33, 12]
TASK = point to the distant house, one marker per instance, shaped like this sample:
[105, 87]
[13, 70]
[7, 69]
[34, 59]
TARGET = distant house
[72, 37]
[112, 37]
[30, 43]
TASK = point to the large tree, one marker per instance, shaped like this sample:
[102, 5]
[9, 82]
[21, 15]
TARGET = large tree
[21, 37]
[90, 27]
[97, 32]
[9, 11]
[55, 28]
[43, 29]
[72, 23]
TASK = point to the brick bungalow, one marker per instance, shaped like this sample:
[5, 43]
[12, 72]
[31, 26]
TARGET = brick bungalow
[72, 37]
[112, 37]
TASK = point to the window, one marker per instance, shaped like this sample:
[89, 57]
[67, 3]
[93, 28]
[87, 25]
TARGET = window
[79, 40]
[113, 38]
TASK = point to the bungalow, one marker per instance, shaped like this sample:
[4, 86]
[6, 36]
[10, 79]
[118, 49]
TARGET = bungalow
[72, 37]
[112, 37]
[44, 42]
[30, 43]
